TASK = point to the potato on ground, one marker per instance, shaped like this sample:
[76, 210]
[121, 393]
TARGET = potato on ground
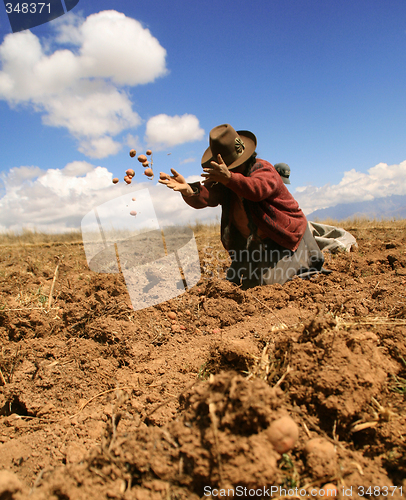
[330, 491]
[283, 433]
[320, 458]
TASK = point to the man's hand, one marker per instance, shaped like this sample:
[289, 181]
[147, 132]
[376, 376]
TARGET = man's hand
[218, 172]
[176, 182]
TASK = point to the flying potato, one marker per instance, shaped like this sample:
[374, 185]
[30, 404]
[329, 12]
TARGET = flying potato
[115, 180]
[142, 158]
[133, 153]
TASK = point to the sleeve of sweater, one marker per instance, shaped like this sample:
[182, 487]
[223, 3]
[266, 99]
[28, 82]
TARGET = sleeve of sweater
[207, 195]
[262, 183]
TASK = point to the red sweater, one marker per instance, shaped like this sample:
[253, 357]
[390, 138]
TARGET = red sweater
[272, 208]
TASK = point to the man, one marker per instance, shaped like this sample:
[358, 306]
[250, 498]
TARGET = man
[284, 171]
[262, 226]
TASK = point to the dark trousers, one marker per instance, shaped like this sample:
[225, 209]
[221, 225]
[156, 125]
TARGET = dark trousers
[266, 262]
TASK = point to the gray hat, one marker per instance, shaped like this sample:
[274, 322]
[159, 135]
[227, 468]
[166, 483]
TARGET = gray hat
[284, 171]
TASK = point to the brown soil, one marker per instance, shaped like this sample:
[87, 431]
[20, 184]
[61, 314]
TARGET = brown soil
[99, 401]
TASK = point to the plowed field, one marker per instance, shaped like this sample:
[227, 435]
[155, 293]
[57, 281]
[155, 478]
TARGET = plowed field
[98, 401]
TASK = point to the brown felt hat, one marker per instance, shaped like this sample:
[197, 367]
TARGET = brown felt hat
[234, 147]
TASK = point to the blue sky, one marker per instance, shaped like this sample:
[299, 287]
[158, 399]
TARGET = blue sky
[320, 83]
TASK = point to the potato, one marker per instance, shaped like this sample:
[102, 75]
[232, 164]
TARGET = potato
[321, 447]
[133, 153]
[133, 199]
[148, 172]
[320, 458]
[127, 180]
[172, 315]
[283, 434]
[130, 172]
[142, 158]
[115, 180]
[330, 491]
[133, 212]
[148, 152]
[145, 164]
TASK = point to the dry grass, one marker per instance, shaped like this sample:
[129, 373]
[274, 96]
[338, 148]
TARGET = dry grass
[33, 237]
[202, 231]
[206, 230]
[364, 223]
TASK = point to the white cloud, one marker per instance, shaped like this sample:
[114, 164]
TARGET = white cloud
[93, 111]
[133, 142]
[117, 47]
[194, 178]
[164, 131]
[77, 168]
[380, 181]
[56, 200]
[188, 160]
[16, 175]
[171, 209]
[80, 89]
[99, 147]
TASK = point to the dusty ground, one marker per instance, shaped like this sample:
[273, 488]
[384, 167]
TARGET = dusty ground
[100, 401]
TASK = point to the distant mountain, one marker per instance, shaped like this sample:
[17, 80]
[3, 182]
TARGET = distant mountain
[380, 208]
